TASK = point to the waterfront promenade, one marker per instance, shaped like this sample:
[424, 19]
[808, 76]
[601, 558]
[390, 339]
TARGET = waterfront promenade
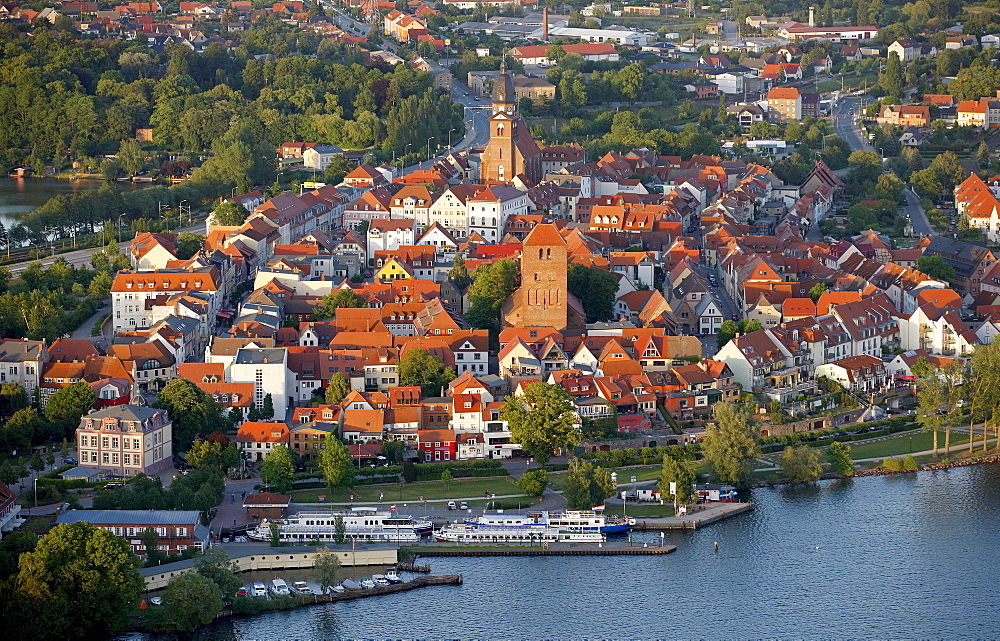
[711, 513]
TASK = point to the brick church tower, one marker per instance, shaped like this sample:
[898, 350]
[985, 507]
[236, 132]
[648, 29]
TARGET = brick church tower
[543, 299]
[510, 151]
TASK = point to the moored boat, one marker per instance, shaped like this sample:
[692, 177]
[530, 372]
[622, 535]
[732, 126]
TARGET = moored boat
[279, 588]
[367, 584]
[392, 576]
[360, 524]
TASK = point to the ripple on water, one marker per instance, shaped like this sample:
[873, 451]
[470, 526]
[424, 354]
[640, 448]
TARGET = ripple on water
[894, 556]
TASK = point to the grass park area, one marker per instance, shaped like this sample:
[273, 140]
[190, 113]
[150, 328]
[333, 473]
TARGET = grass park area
[903, 444]
[430, 490]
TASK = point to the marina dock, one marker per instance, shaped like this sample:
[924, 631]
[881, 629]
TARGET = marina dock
[692, 521]
[553, 549]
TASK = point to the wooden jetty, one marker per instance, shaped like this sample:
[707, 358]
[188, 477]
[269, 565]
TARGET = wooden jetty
[403, 566]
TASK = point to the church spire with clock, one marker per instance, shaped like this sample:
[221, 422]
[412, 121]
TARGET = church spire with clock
[510, 151]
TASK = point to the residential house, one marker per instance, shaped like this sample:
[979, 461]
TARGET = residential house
[126, 439]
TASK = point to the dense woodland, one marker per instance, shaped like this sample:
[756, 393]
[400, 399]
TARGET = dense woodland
[63, 100]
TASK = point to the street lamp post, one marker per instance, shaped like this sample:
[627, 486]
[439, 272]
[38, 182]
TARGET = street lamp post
[120, 216]
[449, 137]
[429, 146]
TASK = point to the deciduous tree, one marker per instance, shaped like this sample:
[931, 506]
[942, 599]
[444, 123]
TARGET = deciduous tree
[191, 410]
[216, 565]
[418, 367]
[679, 473]
[325, 569]
[543, 420]
[596, 289]
[732, 443]
[191, 600]
[188, 244]
[801, 464]
[534, 482]
[840, 458]
[586, 486]
[278, 469]
[80, 582]
[335, 461]
[335, 300]
[337, 389]
[492, 285]
[67, 405]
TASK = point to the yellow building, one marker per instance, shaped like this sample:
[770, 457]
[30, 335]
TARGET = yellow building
[394, 270]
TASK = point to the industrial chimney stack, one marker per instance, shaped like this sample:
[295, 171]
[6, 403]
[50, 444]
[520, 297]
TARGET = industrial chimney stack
[812, 16]
[545, 24]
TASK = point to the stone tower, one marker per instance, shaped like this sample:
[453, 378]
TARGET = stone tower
[510, 151]
[543, 299]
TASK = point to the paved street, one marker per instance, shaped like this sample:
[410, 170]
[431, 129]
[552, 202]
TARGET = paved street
[845, 124]
[82, 256]
[916, 214]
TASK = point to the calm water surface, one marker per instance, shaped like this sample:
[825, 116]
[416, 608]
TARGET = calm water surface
[18, 196]
[909, 556]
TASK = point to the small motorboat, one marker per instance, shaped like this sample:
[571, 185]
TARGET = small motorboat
[367, 583]
[339, 589]
[259, 589]
[348, 584]
[302, 587]
[392, 576]
[380, 579]
[279, 587]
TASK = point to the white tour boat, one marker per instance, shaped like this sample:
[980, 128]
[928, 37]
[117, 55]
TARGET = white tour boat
[360, 523]
[535, 527]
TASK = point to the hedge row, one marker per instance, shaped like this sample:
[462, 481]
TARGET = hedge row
[856, 433]
[455, 466]
[460, 474]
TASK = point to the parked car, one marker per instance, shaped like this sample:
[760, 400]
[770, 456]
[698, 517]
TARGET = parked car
[463, 506]
[451, 505]
[70, 459]
[156, 601]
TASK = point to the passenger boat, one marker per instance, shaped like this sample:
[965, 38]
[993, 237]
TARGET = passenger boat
[573, 520]
[360, 523]
[534, 527]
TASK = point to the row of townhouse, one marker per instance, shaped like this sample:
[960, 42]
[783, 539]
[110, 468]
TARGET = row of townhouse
[463, 425]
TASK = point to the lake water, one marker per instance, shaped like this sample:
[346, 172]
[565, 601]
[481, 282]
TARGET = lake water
[904, 556]
[18, 196]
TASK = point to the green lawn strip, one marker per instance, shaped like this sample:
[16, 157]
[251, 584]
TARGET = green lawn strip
[430, 490]
[900, 445]
[641, 473]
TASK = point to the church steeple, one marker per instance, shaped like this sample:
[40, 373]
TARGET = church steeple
[504, 97]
